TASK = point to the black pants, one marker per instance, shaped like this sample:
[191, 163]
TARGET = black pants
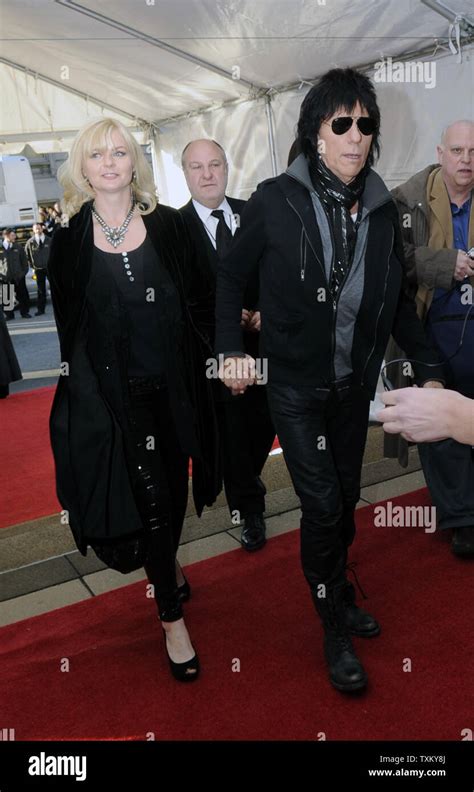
[246, 437]
[41, 284]
[161, 479]
[323, 435]
[22, 296]
[449, 472]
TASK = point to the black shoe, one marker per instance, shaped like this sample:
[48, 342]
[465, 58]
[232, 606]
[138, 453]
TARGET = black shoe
[463, 541]
[358, 620]
[253, 533]
[346, 672]
[39, 313]
[26, 316]
[183, 672]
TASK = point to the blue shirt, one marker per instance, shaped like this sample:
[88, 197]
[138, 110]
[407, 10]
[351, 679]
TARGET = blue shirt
[461, 224]
[446, 316]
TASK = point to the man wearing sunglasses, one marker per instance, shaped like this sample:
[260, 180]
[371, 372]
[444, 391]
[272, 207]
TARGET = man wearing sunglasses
[326, 240]
[437, 212]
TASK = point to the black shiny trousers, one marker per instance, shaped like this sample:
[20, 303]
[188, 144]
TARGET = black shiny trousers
[161, 482]
[323, 436]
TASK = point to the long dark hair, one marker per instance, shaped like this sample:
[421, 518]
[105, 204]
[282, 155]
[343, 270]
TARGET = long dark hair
[338, 88]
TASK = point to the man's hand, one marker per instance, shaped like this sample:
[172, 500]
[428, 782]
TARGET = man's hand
[433, 384]
[464, 266]
[255, 322]
[237, 373]
[246, 317]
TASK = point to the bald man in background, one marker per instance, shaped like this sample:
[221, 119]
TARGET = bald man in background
[437, 217]
[245, 427]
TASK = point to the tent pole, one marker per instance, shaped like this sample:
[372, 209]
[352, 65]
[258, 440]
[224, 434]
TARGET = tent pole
[271, 134]
[449, 14]
[137, 34]
[154, 160]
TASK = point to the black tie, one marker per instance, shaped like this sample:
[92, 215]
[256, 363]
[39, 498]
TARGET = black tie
[223, 233]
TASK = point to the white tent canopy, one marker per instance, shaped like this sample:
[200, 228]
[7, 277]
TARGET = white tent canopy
[233, 70]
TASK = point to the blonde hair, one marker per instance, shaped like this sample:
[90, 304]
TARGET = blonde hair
[97, 135]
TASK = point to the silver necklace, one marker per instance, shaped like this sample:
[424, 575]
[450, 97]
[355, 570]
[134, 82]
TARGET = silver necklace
[114, 234]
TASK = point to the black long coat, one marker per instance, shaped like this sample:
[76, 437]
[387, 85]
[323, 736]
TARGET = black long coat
[90, 433]
[9, 367]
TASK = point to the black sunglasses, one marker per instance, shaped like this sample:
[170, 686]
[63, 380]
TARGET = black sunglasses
[342, 125]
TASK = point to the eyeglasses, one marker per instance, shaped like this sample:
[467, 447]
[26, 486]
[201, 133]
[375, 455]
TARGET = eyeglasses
[342, 125]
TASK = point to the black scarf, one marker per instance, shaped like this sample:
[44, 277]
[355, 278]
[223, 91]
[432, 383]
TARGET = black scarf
[337, 199]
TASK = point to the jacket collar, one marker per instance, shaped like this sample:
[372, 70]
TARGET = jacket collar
[375, 191]
[413, 191]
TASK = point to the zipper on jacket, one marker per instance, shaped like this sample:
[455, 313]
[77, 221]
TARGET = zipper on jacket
[380, 310]
[302, 253]
[334, 300]
[307, 241]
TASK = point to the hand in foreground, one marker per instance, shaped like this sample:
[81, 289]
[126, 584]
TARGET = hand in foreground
[420, 415]
[237, 373]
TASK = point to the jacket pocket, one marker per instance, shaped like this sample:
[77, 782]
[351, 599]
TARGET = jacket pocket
[284, 338]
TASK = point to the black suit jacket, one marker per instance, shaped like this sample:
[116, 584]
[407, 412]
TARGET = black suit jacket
[208, 257]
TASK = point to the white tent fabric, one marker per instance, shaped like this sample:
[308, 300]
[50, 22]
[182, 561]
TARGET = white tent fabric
[181, 69]
[413, 118]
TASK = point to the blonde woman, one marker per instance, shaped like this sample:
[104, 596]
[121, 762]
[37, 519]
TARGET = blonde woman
[132, 403]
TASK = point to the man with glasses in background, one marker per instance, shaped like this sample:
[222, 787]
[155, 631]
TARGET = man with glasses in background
[437, 218]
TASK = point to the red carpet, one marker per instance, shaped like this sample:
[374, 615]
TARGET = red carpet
[27, 474]
[255, 609]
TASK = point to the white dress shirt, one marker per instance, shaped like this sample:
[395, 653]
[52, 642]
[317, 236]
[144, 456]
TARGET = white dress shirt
[210, 222]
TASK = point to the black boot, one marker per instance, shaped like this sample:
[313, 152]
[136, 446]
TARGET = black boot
[345, 669]
[358, 620]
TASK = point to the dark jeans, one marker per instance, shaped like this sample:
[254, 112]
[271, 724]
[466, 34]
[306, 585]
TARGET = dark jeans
[323, 435]
[246, 437]
[41, 284]
[161, 479]
[449, 472]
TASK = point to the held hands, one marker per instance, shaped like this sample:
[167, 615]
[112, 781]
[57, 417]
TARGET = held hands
[237, 373]
[464, 266]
